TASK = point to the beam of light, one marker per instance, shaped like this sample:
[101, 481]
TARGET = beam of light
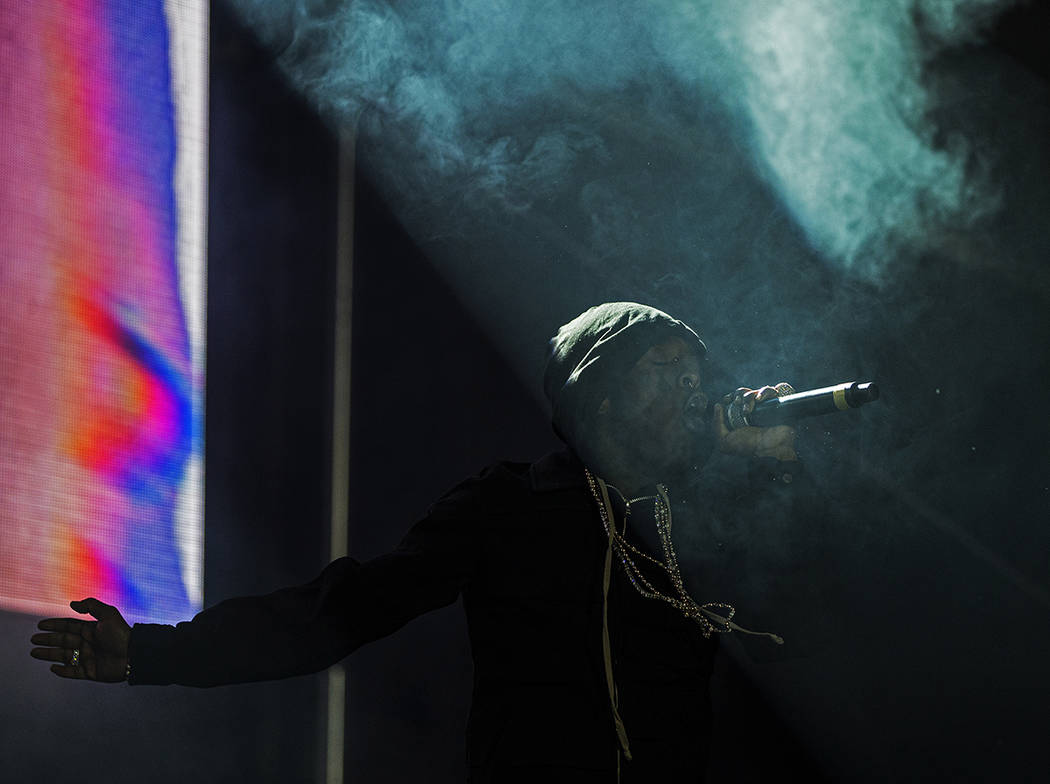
[830, 97]
[963, 538]
[840, 113]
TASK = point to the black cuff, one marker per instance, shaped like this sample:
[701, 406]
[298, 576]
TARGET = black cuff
[148, 652]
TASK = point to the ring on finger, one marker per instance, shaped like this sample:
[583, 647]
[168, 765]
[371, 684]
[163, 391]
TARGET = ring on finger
[75, 658]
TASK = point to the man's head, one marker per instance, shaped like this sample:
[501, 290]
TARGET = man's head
[625, 378]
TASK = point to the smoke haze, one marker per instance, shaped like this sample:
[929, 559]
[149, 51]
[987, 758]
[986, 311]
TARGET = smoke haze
[829, 191]
[496, 105]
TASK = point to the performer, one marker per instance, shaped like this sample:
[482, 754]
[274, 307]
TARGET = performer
[591, 658]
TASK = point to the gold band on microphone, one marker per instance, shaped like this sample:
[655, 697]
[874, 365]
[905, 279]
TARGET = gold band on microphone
[839, 396]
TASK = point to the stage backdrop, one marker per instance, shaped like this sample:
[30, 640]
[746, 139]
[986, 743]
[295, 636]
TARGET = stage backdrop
[102, 182]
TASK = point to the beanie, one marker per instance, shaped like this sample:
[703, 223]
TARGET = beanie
[594, 351]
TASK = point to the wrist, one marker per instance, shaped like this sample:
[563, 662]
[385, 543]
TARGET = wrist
[127, 655]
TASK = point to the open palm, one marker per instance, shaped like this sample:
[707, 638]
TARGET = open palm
[89, 650]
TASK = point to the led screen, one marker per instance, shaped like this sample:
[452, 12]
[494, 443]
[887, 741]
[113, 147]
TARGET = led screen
[101, 301]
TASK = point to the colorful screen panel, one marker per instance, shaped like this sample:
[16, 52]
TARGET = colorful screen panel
[102, 182]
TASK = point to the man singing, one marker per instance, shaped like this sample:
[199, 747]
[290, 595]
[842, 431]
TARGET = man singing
[591, 656]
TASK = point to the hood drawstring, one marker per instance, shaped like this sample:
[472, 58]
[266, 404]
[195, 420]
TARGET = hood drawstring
[621, 731]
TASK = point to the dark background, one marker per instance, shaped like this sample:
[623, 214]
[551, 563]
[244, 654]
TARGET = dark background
[931, 662]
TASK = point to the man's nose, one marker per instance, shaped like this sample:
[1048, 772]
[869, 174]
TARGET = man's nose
[689, 379]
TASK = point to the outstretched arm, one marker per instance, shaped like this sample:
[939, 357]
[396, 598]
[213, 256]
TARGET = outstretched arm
[293, 631]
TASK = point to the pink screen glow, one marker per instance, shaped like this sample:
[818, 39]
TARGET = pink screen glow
[100, 391]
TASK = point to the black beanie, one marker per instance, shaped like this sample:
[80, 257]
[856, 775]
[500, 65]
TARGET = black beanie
[594, 351]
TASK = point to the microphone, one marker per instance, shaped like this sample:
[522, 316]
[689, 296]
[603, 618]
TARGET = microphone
[788, 409]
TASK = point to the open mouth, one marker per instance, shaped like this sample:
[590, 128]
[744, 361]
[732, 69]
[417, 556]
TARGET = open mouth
[695, 412]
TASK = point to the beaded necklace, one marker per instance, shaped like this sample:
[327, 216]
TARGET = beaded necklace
[706, 615]
[703, 614]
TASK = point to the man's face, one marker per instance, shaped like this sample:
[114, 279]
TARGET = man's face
[657, 412]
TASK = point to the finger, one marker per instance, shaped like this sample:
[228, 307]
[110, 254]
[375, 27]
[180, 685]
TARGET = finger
[721, 431]
[750, 399]
[783, 434]
[779, 442]
[72, 625]
[58, 640]
[61, 655]
[93, 607]
[83, 629]
[766, 393]
[739, 392]
[68, 671]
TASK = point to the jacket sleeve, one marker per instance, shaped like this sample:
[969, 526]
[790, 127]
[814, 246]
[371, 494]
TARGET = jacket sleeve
[304, 629]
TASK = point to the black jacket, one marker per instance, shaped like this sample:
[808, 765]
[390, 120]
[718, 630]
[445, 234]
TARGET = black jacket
[525, 547]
